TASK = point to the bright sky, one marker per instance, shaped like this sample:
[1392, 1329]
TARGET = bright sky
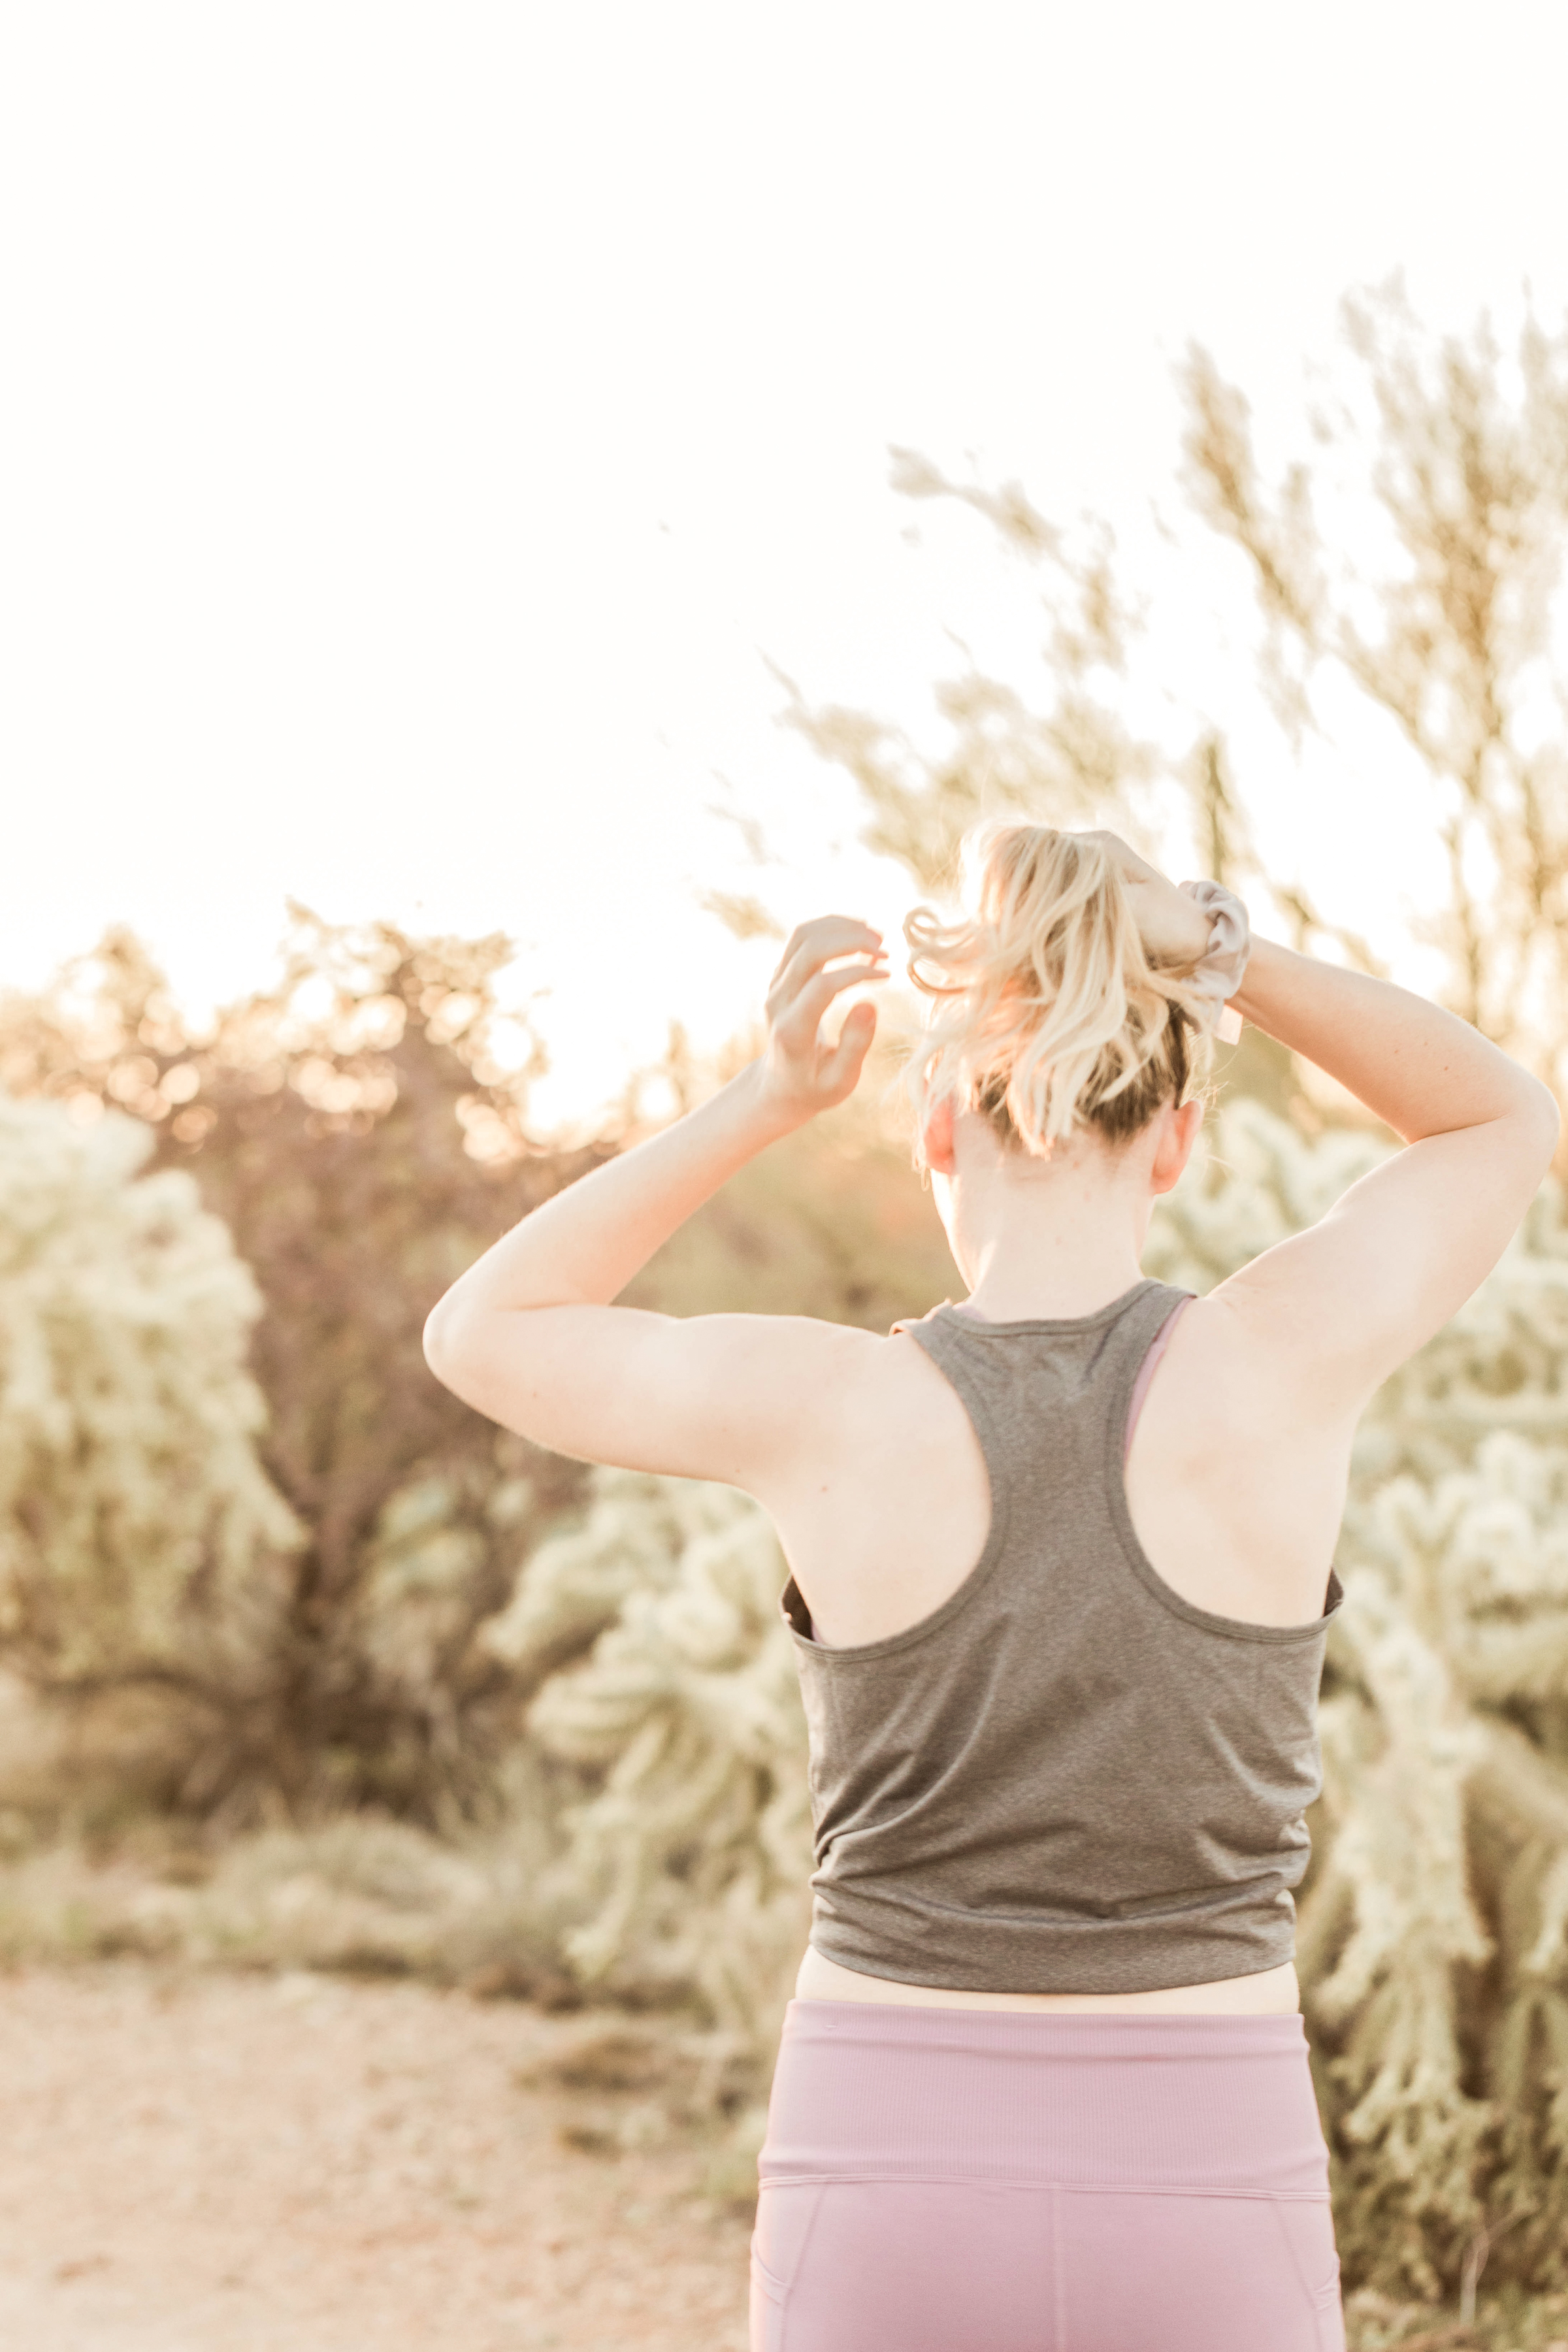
[423, 426]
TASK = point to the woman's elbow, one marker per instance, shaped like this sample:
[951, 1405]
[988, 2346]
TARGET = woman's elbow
[1546, 1118]
[442, 1341]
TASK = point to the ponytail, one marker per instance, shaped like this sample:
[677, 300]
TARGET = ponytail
[1048, 1016]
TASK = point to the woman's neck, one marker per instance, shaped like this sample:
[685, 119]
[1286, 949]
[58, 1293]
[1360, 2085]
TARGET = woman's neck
[1007, 1293]
[1059, 1239]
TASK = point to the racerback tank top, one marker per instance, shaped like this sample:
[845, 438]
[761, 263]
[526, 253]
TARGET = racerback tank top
[1067, 1778]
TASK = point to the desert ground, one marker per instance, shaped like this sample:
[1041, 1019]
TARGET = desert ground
[203, 2162]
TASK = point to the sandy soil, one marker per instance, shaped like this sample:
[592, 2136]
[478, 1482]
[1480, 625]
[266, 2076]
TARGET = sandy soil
[250, 2164]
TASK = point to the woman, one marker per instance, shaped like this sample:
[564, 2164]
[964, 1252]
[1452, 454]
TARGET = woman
[1059, 1590]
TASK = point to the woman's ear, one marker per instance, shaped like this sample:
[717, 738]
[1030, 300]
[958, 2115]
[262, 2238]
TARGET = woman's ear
[1179, 1132]
[936, 1142]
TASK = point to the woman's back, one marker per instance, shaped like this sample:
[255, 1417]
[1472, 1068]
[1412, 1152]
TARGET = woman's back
[1236, 1501]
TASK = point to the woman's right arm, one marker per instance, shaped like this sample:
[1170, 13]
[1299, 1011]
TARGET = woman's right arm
[1359, 1292]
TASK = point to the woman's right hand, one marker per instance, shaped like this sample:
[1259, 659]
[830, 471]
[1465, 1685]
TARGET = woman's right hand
[1175, 929]
[798, 1072]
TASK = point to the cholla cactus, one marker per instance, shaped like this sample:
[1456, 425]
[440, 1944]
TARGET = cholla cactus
[691, 1860]
[1388, 1934]
[629, 1542]
[1471, 1569]
[1434, 1926]
[129, 1489]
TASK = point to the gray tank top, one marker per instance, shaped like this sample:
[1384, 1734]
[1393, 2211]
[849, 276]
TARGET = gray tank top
[1067, 1778]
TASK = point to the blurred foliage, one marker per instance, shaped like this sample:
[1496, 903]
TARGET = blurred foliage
[1077, 756]
[831, 1221]
[1452, 459]
[359, 1894]
[692, 1855]
[1457, 458]
[356, 1131]
[140, 1538]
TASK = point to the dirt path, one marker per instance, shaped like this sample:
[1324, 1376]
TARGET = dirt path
[254, 2164]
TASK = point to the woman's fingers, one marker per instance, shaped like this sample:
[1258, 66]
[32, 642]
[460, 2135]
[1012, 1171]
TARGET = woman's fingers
[796, 1022]
[851, 927]
[1167, 924]
[821, 958]
[853, 1041]
[810, 945]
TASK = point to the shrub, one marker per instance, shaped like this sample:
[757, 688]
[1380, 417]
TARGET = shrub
[688, 1863]
[141, 1540]
[354, 1128]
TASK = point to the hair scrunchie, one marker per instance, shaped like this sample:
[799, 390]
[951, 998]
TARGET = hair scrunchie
[1215, 979]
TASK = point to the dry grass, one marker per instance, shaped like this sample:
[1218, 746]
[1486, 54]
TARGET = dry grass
[358, 1896]
[1506, 2322]
[92, 1867]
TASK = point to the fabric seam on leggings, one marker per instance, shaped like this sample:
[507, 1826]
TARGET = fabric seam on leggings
[774, 2286]
[1037, 2180]
[1059, 2274]
[798, 2264]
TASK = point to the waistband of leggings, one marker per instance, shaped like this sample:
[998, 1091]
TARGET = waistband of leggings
[1024, 2033]
[1208, 2106]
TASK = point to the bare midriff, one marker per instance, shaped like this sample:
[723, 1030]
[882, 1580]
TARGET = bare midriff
[1270, 1993]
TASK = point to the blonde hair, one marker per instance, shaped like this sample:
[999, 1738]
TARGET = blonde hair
[1048, 1015]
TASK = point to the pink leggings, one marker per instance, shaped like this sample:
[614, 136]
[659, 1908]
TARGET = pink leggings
[977, 2180]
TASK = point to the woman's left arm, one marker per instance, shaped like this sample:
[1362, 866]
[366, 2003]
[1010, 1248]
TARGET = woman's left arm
[528, 1335]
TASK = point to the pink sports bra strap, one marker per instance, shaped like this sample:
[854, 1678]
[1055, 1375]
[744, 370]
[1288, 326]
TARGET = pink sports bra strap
[1147, 1369]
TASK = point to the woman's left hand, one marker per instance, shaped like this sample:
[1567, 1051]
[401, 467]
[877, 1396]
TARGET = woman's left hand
[801, 1072]
[1174, 929]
